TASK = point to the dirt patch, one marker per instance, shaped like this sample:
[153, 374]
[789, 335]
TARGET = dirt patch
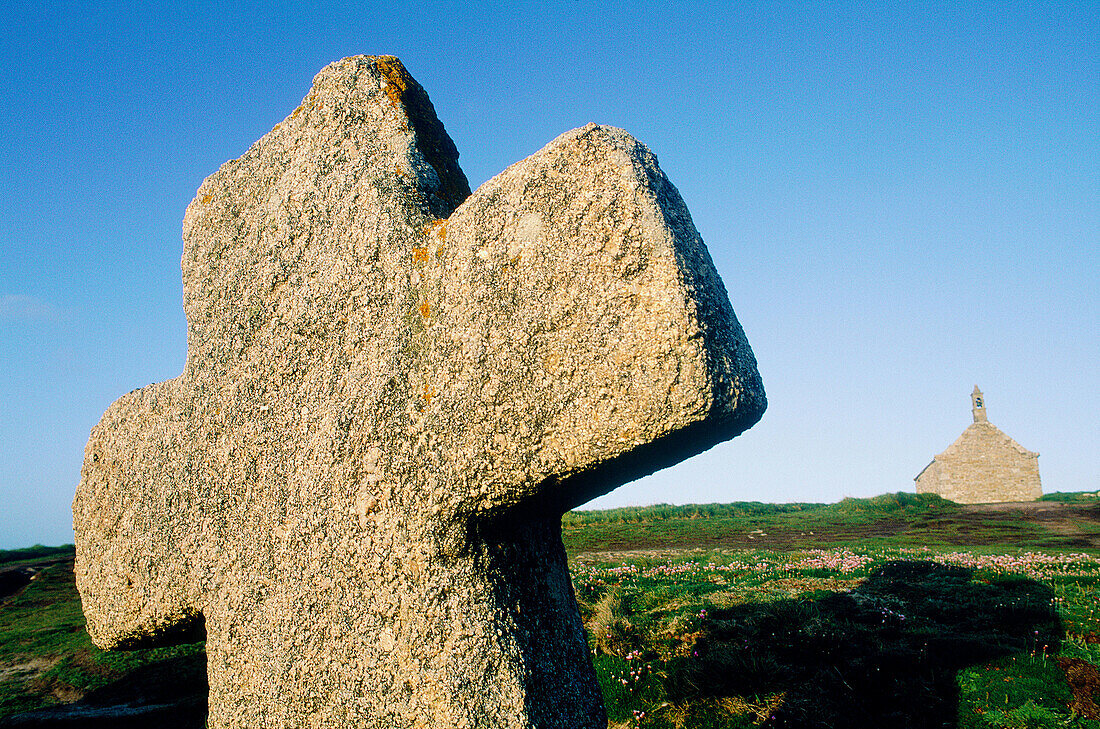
[1037, 524]
[1084, 682]
[1078, 523]
[779, 537]
[26, 669]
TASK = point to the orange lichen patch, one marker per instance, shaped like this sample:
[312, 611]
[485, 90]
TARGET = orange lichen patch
[438, 228]
[296, 113]
[425, 310]
[429, 393]
[420, 254]
[205, 199]
[397, 78]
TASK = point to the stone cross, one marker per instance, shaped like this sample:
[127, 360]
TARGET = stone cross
[393, 390]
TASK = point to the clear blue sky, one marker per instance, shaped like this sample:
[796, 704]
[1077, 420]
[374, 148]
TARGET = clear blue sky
[903, 203]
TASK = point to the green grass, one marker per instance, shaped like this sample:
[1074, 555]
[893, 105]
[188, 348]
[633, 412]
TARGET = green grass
[50, 659]
[900, 519]
[898, 611]
[854, 638]
[895, 504]
[1073, 497]
[10, 557]
[638, 514]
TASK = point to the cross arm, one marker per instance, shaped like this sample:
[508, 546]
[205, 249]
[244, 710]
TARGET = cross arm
[576, 297]
[135, 552]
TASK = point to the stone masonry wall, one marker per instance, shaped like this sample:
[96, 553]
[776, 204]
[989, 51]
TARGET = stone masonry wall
[982, 466]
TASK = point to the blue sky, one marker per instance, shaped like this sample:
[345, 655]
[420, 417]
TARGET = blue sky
[903, 201]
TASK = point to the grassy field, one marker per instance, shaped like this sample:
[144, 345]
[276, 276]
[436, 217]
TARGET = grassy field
[35, 554]
[47, 659]
[1077, 497]
[898, 611]
[846, 638]
[899, 520]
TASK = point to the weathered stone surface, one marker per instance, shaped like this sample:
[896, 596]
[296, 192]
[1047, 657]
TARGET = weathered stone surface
[983, 465]
[393, 390]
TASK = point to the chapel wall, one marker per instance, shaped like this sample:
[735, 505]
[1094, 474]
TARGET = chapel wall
[983, 466]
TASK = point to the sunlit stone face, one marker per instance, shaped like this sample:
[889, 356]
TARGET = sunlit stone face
[393, 390]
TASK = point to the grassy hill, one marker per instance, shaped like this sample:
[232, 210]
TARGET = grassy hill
[900, 520]
[900, 610]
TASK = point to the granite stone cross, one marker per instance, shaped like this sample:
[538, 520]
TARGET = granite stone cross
[393, 390]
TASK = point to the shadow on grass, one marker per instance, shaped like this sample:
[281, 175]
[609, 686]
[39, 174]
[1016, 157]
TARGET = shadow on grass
[884, 655]
[168, 694]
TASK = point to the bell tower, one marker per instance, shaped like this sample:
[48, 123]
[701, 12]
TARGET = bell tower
[977, 405]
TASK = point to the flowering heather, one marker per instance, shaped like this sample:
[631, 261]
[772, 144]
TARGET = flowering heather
[1037, 565]
[843, 561]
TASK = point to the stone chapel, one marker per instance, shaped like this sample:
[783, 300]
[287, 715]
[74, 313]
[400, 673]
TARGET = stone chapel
[982, 466]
